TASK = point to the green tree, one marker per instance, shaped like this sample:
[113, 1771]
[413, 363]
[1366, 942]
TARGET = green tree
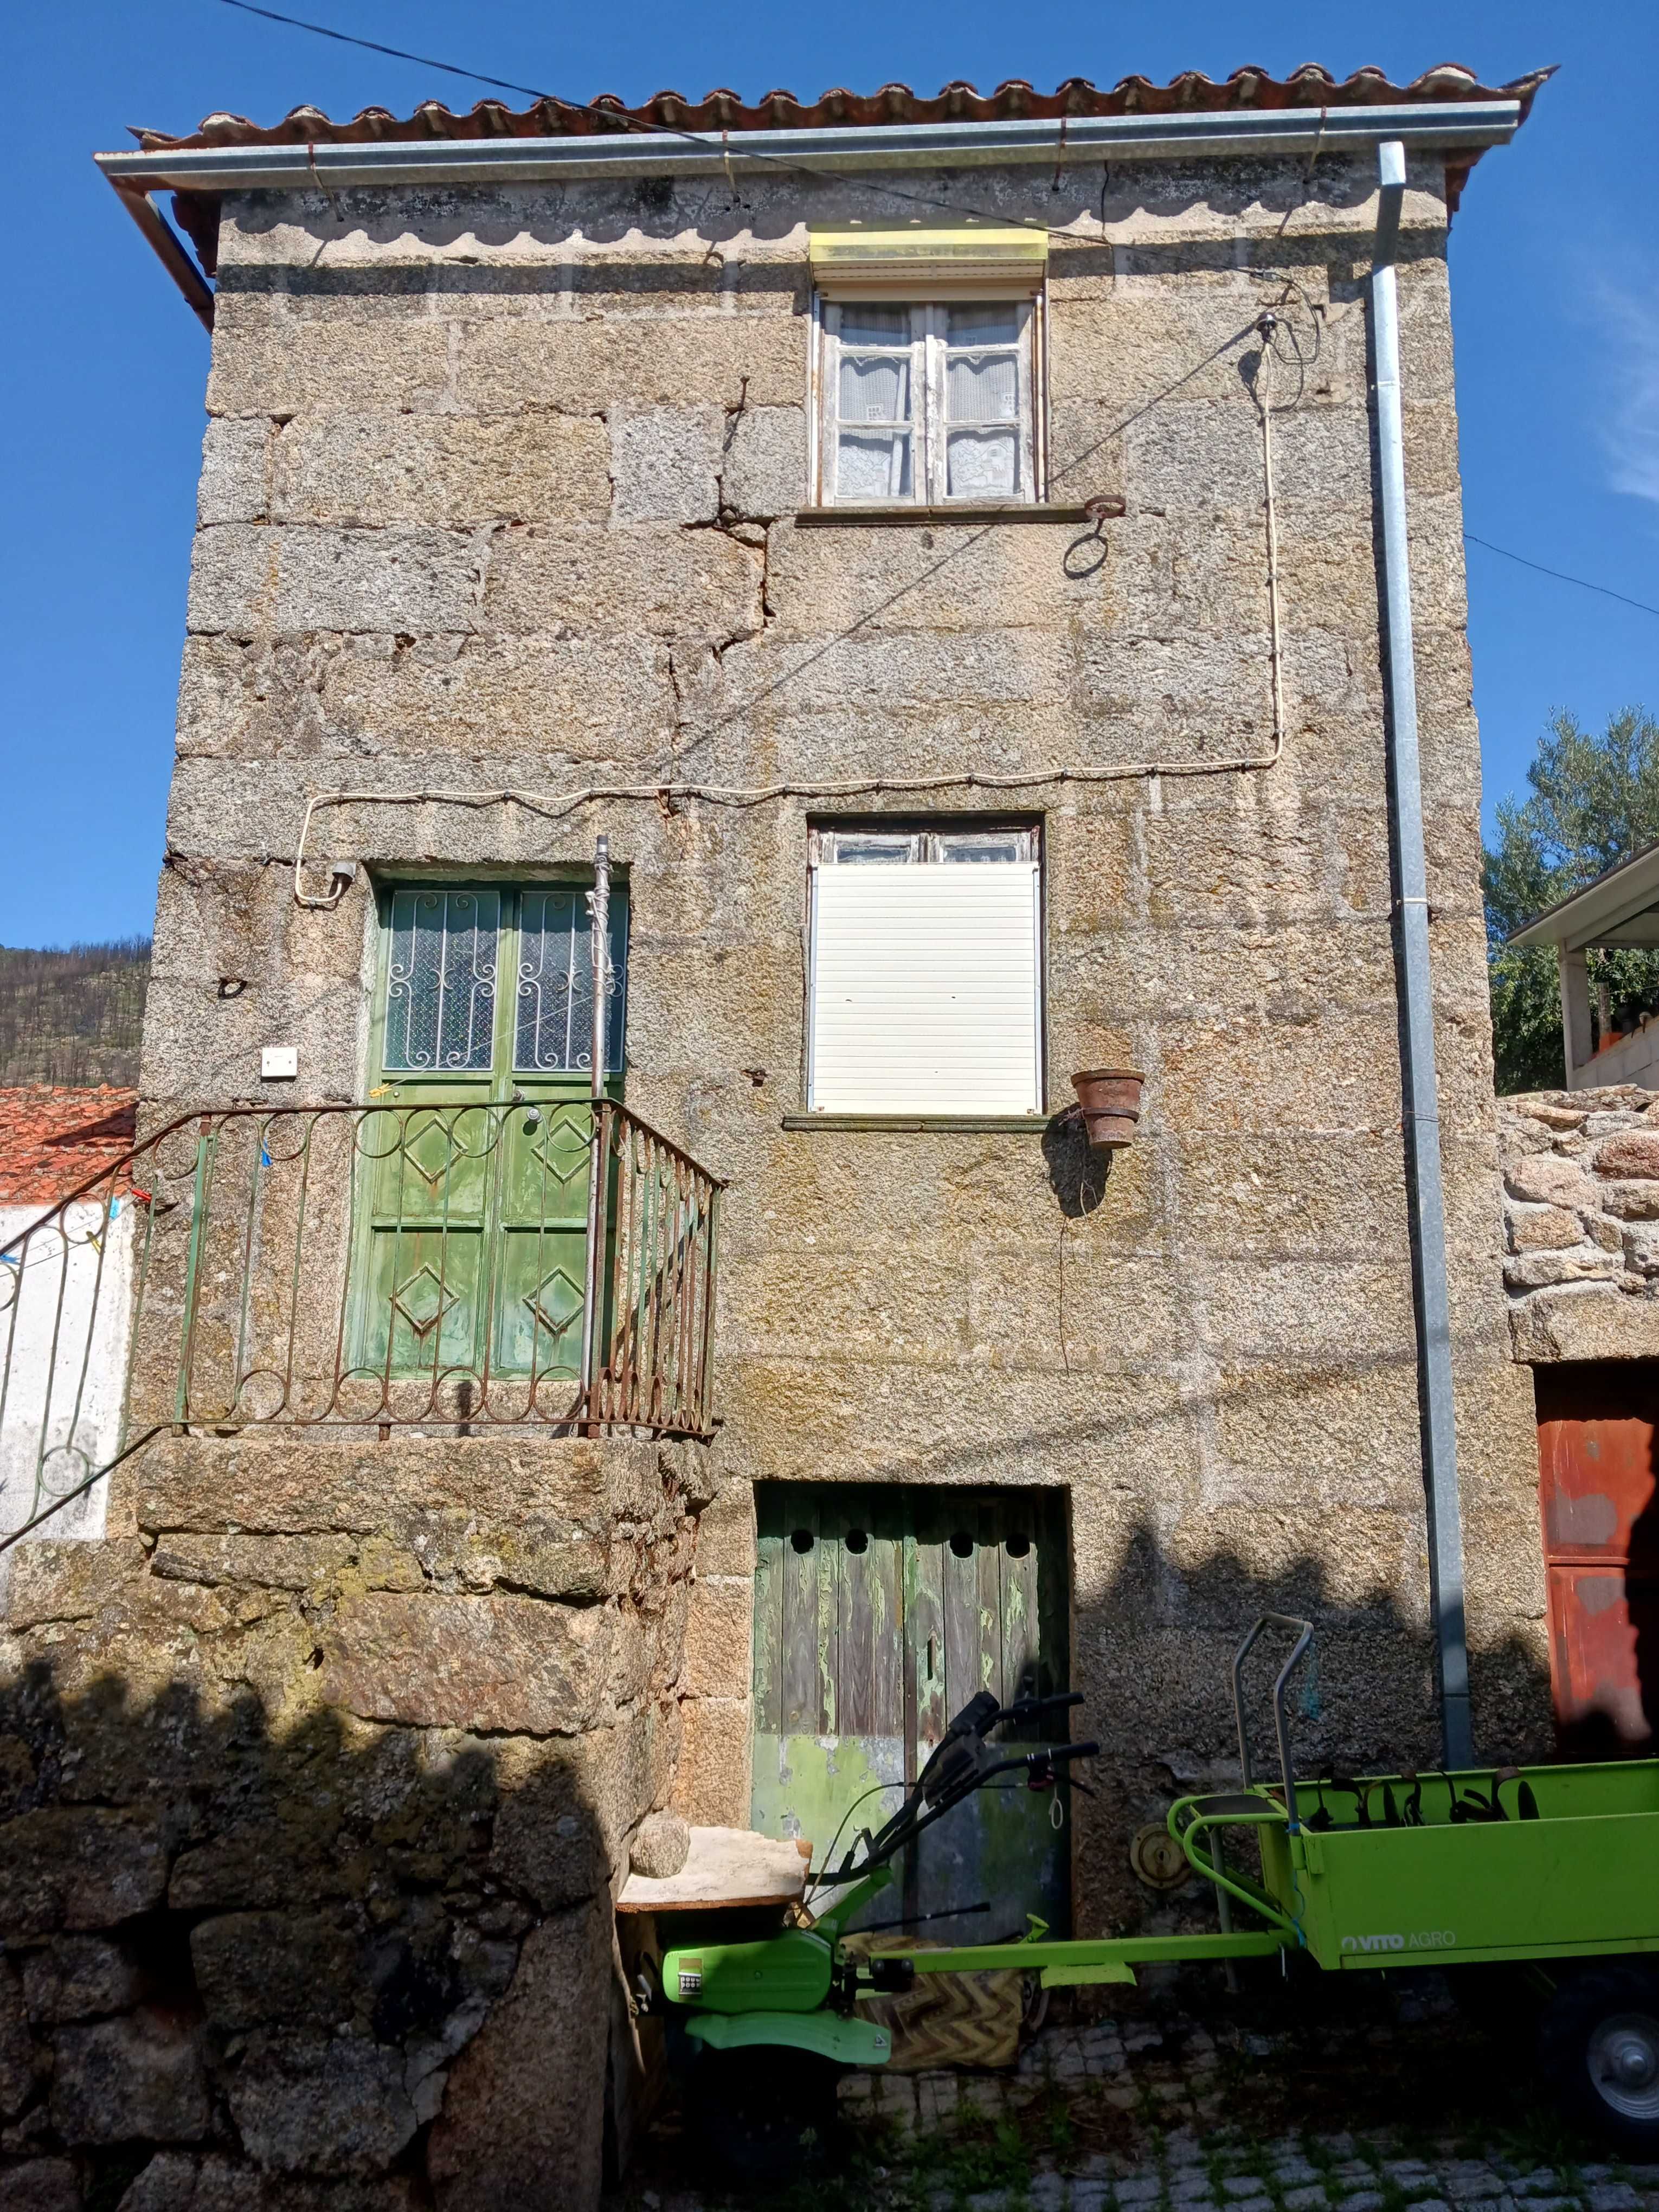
[1592, 801]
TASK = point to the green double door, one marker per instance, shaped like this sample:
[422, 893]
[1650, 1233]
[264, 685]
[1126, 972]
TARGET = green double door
[471, 1206]
[878, 1613]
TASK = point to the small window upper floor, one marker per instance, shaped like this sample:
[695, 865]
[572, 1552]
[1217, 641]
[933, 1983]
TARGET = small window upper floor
[928, 402]
[929, 368]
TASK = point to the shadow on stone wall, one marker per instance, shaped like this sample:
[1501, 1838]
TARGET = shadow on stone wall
[350, 1966]
[1077, 1170]
[1153, 1657]
[313, 1795]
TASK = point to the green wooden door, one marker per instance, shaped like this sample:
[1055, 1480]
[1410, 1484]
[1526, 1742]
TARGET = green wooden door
[473, 1219]
[878, 1613]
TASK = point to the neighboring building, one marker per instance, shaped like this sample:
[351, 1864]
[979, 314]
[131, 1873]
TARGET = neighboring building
[933, 544]
[64, 1347]
[1620, 907]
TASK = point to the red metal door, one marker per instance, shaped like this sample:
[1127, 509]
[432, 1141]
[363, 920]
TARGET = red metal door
[1596, 1421]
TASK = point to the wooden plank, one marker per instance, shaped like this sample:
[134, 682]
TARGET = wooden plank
[859, 1596]
[988, 1580]
[1054, 1594]
[960, 1573]
[924, 1631]
[887, 1556]
[769, 1547]
[1017, 1567]
[829, 1559]
[799, 1626]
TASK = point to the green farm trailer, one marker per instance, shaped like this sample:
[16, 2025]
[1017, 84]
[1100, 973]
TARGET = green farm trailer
[1554, 1868]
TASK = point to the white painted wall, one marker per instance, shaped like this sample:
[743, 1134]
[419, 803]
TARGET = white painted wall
[66, 1317]
[1632, 1059]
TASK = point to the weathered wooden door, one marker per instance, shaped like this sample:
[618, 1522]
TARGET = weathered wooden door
[1596, 1421]
[879, 1612]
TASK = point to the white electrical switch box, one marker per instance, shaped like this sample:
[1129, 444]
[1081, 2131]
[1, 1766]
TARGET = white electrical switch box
[278, 1063]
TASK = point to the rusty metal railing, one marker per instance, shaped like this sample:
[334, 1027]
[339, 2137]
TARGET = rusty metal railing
[358, 1267]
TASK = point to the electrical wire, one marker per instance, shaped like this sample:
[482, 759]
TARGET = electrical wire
[554, 806]
[875, 1790]
[616, 117]
[1559, 574]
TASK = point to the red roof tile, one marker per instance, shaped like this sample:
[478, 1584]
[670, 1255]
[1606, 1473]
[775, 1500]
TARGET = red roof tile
[1014, 99]
[53, 1139]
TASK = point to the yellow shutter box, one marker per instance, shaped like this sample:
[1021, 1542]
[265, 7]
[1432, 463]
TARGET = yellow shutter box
[915, 263]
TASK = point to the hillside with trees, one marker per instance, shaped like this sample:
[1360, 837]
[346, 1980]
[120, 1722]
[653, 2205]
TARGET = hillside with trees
[73, 1015]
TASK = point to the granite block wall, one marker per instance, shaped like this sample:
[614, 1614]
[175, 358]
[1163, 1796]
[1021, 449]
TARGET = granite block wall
[1580, 1223]
[316, 1777]
[502, 492]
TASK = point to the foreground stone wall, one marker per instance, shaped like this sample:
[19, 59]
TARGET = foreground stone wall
[1581, 1221]
[502, 491]
[316, 1779]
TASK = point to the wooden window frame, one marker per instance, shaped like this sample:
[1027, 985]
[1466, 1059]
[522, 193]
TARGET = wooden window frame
[554, 1094]
[500, 1079]
[929, 353]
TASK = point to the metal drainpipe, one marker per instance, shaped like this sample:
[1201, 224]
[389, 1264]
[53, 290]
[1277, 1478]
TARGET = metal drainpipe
[598, 907]
[1422, 1125]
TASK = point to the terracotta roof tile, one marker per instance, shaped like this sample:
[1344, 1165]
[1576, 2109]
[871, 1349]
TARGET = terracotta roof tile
[53, 1139]
[722, 110]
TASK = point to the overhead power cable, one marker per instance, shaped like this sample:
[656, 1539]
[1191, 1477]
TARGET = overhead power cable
[617, 115]
[402, 54]
[1559, 574]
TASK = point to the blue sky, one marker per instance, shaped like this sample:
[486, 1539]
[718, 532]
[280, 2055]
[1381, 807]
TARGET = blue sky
[1555, 288]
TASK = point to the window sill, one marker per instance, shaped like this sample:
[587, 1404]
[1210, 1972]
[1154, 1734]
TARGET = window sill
[1008, 1122]
[902, 512]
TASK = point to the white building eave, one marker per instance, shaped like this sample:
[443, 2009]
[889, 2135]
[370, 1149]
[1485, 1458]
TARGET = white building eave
[1620, 907]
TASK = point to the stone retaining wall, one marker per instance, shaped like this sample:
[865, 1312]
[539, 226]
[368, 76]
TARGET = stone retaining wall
[1581, 1221]
[315, 1780]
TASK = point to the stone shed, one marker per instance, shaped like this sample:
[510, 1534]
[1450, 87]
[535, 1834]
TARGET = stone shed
[887, 601]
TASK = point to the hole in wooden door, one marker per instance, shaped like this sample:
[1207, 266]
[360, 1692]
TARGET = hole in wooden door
[857, 1540]
[1019, 1547]
[801, 1540]
[963, 1544]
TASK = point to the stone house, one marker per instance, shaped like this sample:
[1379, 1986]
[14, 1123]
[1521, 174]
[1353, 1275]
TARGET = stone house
[894, 602]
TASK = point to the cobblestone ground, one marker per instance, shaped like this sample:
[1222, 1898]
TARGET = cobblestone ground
[1379, 2099]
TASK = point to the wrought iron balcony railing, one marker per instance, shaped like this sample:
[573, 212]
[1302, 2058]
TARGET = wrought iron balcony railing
[548, 1263]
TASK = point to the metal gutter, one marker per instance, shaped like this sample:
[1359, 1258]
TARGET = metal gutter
[1421, 1106]
[1421, 125]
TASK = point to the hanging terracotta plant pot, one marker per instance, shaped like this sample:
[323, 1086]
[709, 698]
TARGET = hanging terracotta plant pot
[1110, 1100]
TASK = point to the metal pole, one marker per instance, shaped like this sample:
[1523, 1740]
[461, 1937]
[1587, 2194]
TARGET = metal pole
[1422, 1129]
[598, 907]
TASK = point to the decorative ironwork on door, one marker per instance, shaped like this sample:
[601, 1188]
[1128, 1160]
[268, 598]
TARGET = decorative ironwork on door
[486, 999]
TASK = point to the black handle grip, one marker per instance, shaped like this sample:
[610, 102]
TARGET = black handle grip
[1059, 1751]
[1044, 1704]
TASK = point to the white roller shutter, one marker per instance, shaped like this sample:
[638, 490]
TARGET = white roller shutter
[925, 989]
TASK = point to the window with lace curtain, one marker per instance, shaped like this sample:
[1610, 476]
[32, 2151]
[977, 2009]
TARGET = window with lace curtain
[927, 403]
